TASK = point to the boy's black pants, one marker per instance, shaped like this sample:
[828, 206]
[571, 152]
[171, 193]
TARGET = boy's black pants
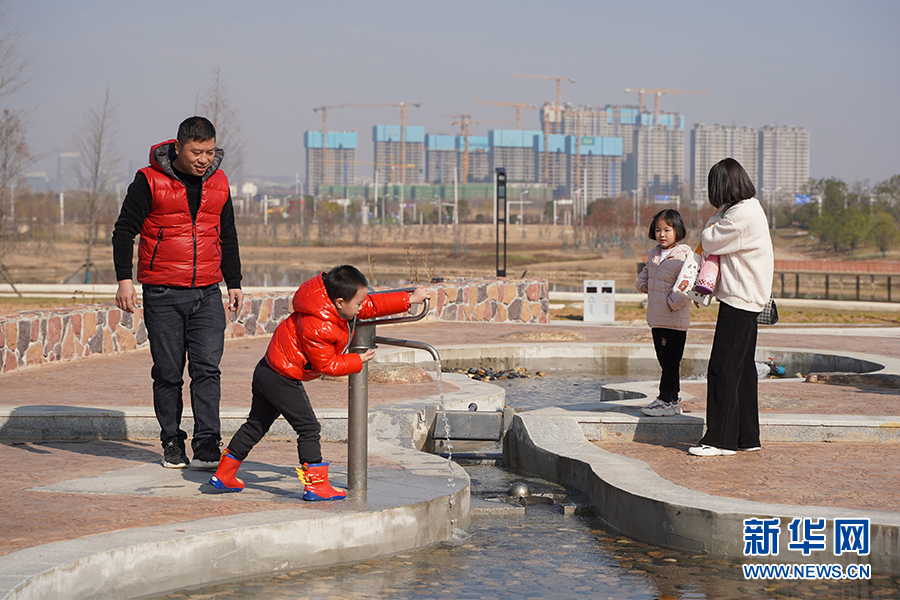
[669, 344]
[274, 395]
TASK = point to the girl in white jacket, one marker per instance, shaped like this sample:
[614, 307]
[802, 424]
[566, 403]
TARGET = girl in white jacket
[668, 313]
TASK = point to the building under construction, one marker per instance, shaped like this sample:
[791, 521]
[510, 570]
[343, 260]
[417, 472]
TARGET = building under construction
[557, 172]
[333, 163]
[566, 165]
[441, 158]
[399, 159]
[514, 150]
[595, 166]
[652, 143]
[444, 158]
[479, 158]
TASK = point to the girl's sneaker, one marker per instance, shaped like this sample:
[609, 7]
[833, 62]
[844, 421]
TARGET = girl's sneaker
[663, 409]
[653, 405]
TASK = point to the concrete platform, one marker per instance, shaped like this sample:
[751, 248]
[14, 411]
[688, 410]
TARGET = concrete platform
[99, 518]
[417, 500]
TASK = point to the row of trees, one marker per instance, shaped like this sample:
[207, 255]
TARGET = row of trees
[844, 218]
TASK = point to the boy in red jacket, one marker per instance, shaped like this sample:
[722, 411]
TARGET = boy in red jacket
[312, 341]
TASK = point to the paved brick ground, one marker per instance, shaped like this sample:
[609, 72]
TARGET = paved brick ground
[862, 476]
[853, 475]
[124, 380]
[31, 518]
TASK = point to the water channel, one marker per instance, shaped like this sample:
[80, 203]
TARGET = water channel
[541, 554]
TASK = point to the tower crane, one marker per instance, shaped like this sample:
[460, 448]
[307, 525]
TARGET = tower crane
[517, 105]
[464, 121]
[656, 94]
[392, 165]
[325, 109]
[558, 81]
[402, 106]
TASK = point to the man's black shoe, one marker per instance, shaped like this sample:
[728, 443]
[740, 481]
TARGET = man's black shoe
[207, 454]
[174, 456]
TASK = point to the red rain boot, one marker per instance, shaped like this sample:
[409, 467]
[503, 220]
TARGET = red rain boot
[225, 478]
[315, 478]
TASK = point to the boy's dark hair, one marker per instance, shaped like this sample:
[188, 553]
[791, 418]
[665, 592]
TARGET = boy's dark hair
[673, 218]
[195, 129]
[728, 183]
[344, 282]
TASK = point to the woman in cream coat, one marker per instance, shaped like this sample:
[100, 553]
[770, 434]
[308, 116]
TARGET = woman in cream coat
[746, 263]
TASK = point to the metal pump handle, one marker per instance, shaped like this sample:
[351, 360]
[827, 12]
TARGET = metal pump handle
[406, 319]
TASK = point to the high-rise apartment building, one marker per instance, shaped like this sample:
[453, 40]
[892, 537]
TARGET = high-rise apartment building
[595, 166]
[513, 149]
[444, 154]
[775, 157]
[783, 161]
[479, 158]
[623, 122]
[660, 154]
[389, 145]
[652, 153]
[441, 158]
[712, 143]
[333, 163]
[557, 168]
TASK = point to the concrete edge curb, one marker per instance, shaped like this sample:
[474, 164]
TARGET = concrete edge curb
[631, 498]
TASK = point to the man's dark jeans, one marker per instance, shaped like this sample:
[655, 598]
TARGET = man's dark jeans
[185, 323]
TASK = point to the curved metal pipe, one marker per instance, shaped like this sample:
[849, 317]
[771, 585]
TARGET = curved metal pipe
[409, 344]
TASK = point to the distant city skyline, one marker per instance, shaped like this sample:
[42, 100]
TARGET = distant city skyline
[828, 67]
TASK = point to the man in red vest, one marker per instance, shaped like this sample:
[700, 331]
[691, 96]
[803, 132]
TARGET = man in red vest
[181, 207]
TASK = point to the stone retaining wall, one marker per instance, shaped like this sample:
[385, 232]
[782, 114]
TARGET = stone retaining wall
[32, 338]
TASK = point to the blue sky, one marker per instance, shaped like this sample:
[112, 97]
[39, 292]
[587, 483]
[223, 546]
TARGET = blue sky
[829, 66]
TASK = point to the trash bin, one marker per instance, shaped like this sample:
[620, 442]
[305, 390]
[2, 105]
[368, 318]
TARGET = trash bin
[599, 301]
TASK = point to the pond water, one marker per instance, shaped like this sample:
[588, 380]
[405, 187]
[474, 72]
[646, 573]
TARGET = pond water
[568, 389]
[542, 554]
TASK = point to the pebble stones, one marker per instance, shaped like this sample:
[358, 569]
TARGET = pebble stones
[488, 374]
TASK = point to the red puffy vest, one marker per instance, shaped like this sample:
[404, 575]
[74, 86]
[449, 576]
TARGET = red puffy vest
[174, 250]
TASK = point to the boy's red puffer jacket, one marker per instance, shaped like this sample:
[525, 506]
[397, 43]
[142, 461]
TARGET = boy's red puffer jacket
[312, 341]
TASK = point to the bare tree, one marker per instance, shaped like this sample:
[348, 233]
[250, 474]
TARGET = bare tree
[14, 159]
[96, 165]
[213, 102]
[12, 68]
[14, 156]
